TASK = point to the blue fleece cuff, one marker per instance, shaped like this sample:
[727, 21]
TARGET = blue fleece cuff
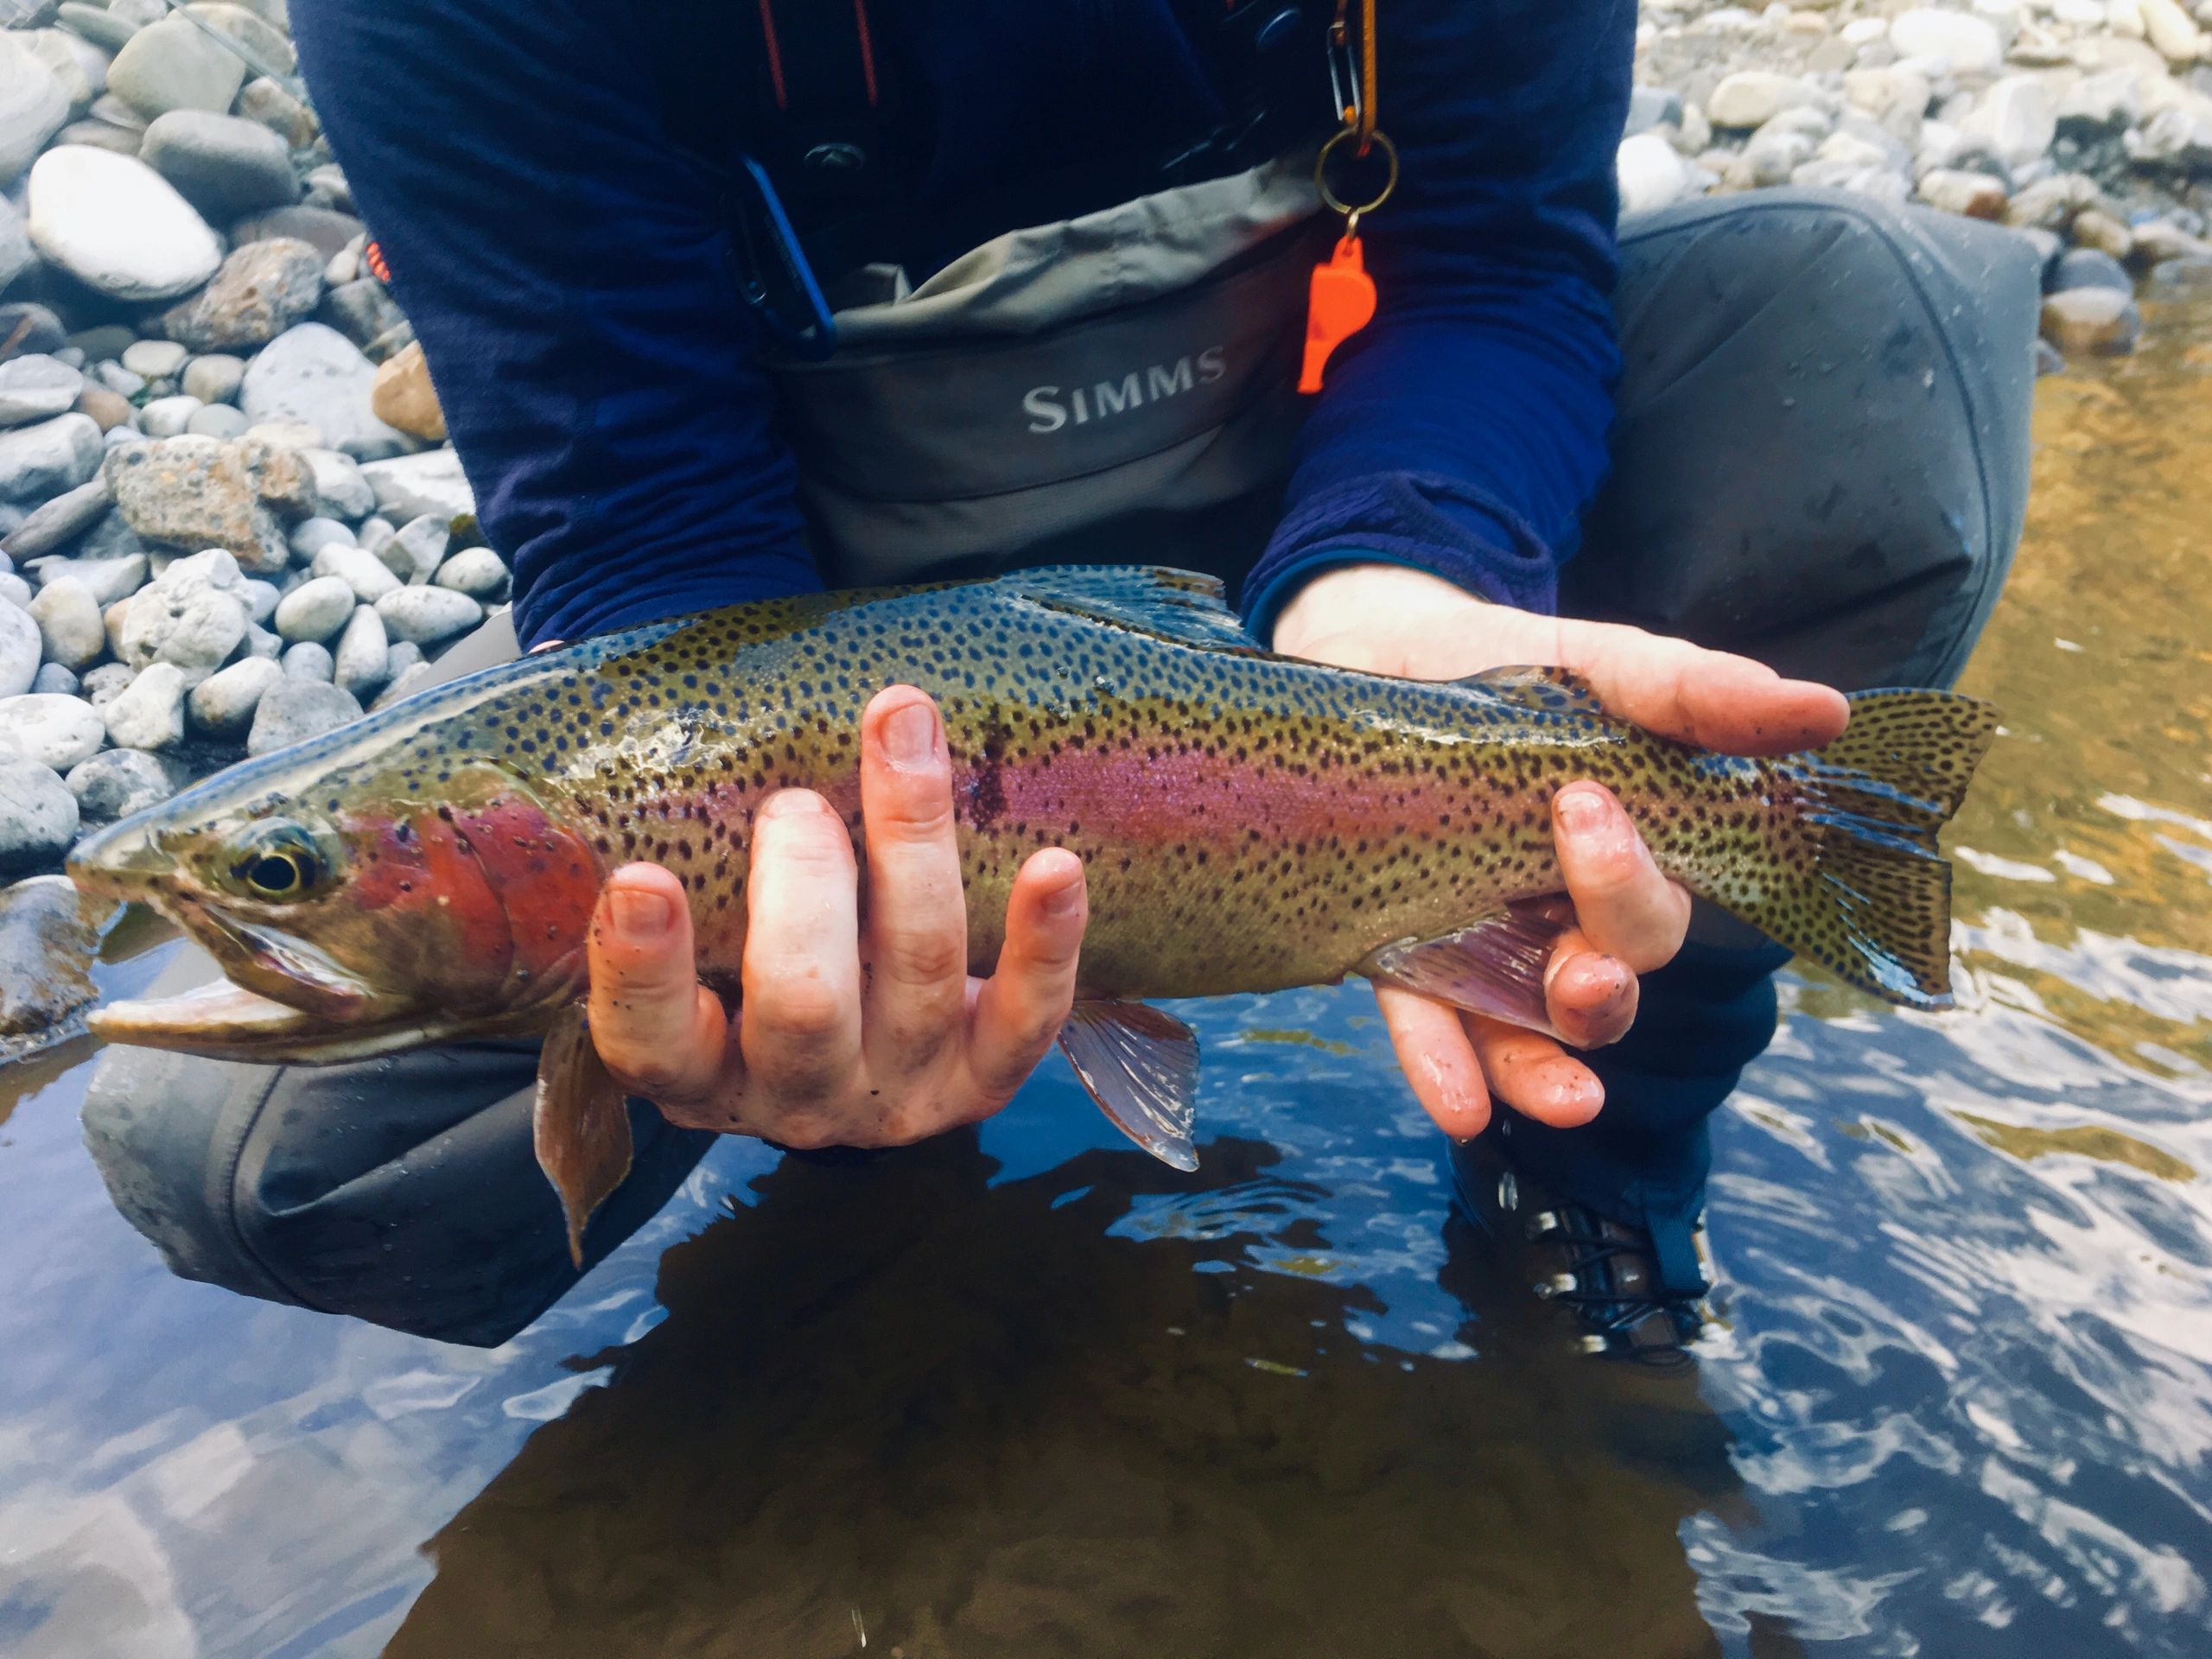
[573, 609]
[1441, 525]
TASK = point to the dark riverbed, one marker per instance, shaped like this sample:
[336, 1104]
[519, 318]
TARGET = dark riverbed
[1033, 1395]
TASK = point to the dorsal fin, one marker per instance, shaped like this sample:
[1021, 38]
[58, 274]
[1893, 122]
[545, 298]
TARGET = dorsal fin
[1559, 689]
[1178, 605]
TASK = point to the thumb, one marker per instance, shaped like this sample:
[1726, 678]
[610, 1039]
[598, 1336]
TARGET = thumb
[661, 1032]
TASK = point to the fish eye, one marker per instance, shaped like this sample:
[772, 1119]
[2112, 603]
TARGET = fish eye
[279, 862]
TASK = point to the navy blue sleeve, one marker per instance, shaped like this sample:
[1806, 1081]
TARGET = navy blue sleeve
[560, 259]
[1464, 431]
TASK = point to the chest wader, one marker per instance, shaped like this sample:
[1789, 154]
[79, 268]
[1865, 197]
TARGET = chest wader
[1113, 388]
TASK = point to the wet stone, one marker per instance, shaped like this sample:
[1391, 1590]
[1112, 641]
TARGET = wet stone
[417, 549]
[223, 704]
[213, 377]
[329, 232]
[153, 359]
[310, 536]
[168, 417]
[107, 578]
[428, 485]
[40, 462]
[38, 815]
[224, 165]
[53, 526]
[427, 616]
[192, 616]
[312, 374]
[47, 947]
[308, 661]
[101, 685]
[172, 65]
[117, 226]
[120, 782]
[345, 494]
[2099, 321]
[2087, 268]
[217, 421]
[2190, 274]
[262, 290]
[295, 710]
[361, 662]
[358, 568]
[107, 410]
[149, 713]
[37, 388]
[69, 626]
[200, 493]
[477, 571]
[54, 731]
[20, 648]
[315, 610]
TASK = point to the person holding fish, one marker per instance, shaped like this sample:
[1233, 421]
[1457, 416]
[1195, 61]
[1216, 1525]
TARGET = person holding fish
[731, 304]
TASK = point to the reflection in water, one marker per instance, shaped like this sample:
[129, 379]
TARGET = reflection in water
[974, 1419]
[1019, 1395]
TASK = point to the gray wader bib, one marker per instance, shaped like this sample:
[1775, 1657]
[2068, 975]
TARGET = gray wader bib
[1855, 527]
[1112, 388]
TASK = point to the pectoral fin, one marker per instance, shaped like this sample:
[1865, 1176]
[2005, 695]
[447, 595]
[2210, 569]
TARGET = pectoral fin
[580, 1124]
[1493, 966]
[1142, 1066]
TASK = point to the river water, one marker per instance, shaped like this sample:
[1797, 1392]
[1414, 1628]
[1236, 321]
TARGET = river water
[1031, 1394]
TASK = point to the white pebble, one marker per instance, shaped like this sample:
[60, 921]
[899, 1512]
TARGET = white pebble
[68, 618]
[308, 661]
[168, 417]
[149, 713]
[477, 571]
[315, 610]
[369, 577]
[222, 705]
[54, 731]
[361, 663]
[428, 615]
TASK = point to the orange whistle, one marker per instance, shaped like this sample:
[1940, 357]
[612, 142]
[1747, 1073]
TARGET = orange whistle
[1340, 303]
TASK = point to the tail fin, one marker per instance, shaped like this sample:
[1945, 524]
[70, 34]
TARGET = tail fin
[1872, 903]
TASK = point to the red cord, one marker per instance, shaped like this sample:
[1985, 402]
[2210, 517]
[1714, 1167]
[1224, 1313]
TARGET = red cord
[867, 47]
[775, 54]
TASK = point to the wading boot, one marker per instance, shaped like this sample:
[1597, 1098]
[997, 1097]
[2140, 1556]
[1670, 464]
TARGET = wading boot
[1603, 1272]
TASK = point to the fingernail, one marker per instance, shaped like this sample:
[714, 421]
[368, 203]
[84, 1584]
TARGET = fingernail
[1065, 902]
[787, 803]
[1581, 811]
[641, 918]
[909, 737]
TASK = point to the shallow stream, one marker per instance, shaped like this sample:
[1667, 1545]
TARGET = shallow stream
[1031, 1394]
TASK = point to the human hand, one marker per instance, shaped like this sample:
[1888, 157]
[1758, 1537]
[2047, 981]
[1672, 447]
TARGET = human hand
[1629, 917]
[849, 1032]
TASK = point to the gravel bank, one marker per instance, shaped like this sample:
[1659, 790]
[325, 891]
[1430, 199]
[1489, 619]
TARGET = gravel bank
[228, 518]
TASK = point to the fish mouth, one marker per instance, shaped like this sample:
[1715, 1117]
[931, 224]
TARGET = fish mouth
[226, 1022]
[277, 965]
[280, 999]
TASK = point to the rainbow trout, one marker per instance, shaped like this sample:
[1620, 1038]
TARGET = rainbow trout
[1246, 823]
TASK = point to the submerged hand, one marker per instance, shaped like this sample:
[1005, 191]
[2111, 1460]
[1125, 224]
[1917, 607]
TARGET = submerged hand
[1631, 918]
[823, 1050]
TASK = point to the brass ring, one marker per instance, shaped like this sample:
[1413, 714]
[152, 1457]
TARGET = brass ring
[1381, 140]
